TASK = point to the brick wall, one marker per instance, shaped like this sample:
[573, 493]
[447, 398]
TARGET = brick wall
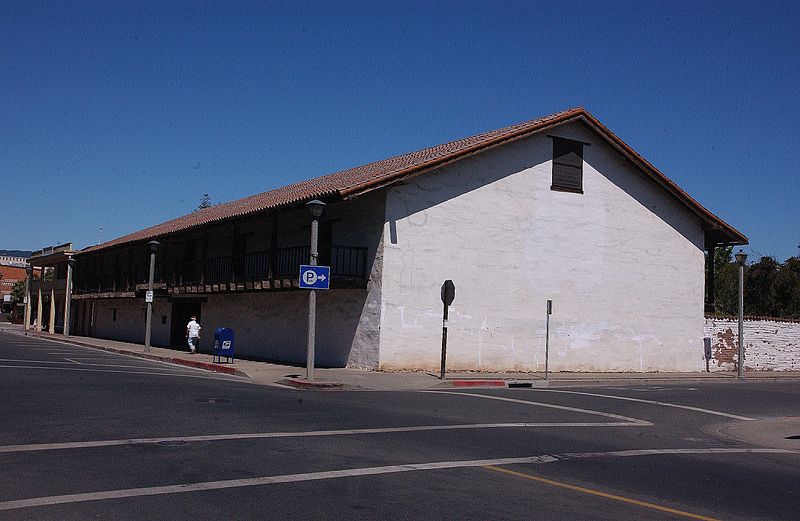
[770, 344]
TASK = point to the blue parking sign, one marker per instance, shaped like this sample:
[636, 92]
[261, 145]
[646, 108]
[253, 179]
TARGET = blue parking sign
[315, 277]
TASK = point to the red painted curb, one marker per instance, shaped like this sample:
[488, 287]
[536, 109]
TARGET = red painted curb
[204, 365]
[478, 383]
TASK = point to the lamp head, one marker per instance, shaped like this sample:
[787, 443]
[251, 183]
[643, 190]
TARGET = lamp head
[741, 258]
[153, 245]
[315, 207]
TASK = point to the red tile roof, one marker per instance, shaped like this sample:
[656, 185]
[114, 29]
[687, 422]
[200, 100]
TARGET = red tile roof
[361, 179]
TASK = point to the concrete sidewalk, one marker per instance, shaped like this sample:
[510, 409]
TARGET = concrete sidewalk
[266, 373]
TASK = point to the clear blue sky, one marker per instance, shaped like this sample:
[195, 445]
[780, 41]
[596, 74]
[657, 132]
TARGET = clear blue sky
[122, 116]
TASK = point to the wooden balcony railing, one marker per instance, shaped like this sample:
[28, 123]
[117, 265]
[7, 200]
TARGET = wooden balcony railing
[345, 261]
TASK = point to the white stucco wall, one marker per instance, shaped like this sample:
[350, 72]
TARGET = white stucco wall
[622, 262]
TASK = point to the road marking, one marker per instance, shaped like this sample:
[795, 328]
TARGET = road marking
[152, 372]
[323, 475]
[302, 434]
[633, 421]
[654, 402]
[606, 495]
[145, 363]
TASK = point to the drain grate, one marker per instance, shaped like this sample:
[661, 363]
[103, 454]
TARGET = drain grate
[512, 385]
[795, 437]
[212, 400]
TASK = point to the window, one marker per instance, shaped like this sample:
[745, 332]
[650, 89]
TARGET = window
[567, 165]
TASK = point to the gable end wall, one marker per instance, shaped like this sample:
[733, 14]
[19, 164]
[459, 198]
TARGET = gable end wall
[623, 264]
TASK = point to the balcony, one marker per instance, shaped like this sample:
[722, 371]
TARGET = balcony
[58, 286]
[254, 270]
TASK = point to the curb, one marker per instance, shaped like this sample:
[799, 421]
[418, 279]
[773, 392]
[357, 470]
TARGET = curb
[208, 366]
[316, 386]
[477, 383]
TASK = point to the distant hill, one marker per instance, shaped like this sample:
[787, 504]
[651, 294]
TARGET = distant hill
[15, 253]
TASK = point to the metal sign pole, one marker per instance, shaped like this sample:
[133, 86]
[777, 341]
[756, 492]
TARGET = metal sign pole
[444, 342]
[448, 295]
[547, 341]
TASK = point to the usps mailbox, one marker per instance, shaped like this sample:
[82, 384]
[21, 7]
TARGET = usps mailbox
[223, 345]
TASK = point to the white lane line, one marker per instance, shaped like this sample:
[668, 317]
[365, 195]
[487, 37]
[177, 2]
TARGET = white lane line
[153, 372]
[654, 402]
[144, 364]
[658, 452]
[73, 348]
[302, 434]
[632, 421]
[348, 473]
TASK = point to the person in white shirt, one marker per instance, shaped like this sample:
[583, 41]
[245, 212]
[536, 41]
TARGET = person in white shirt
[193, 334]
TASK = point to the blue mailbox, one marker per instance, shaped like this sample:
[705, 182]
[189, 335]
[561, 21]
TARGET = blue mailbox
[223, 344]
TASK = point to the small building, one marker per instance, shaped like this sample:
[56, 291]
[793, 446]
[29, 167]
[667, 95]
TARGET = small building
[558, 208]
[9, 276]
[17, 258]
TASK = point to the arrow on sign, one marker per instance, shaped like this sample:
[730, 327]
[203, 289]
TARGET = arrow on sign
[321, 277]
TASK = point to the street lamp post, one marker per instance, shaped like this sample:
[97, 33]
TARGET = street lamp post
[741, 257]
[68, 296]
[315, 207]
[149, 322]
[27, 297]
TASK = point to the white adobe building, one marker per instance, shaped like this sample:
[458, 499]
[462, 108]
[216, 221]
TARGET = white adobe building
[556, 208]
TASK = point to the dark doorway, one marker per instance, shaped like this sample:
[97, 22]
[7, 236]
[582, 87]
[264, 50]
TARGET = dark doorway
[182, 312]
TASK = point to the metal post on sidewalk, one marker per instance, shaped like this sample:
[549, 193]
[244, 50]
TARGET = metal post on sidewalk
[68, 295]
[547, 341]
[149, 296]
[741, 258]
[448, 295]
[27, 298]
[315, 207]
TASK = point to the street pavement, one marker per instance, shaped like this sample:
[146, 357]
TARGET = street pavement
[87, 433]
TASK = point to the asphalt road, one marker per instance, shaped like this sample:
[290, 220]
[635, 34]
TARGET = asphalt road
[88, 434]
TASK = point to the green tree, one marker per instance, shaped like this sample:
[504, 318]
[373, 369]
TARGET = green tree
[760, 295]
[726, 289]
[770, 288]
[18, 292]
[787, 288]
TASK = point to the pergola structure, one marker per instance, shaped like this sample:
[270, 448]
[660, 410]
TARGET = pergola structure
[58, 261]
